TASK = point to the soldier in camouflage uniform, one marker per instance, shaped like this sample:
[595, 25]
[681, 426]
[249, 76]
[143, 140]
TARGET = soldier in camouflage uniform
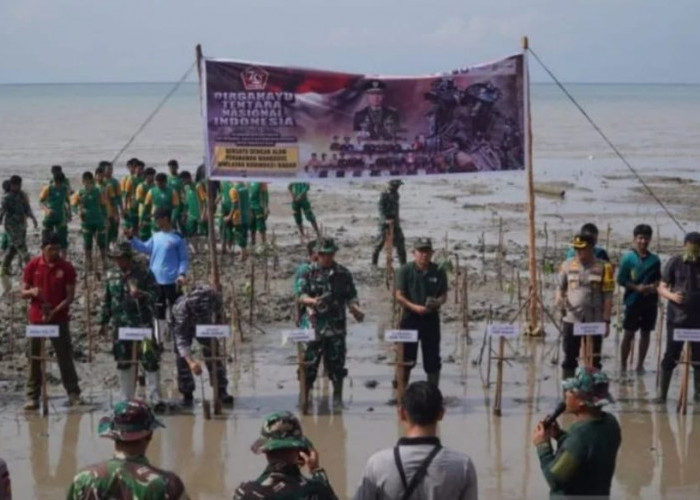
[326, 290]
[201, 306]
[285, 447]
[14, 212]
[128, 475]
[389, 214]
[55, 202]
[299, 275]
[130, 293]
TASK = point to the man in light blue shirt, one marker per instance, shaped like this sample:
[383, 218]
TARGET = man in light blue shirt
[168, 262]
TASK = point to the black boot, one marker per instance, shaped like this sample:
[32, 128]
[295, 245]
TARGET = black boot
[338, 393]
[187, 400]
[375, 256]
[696, 381]
[402, 255]
[664, 383]
[434, 378]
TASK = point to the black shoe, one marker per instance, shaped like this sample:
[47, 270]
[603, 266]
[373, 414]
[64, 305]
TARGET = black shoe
[226, 400]
[187, 401]
[159, 408]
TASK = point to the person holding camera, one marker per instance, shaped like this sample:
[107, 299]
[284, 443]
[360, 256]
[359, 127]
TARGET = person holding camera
[327, 289]
[584, 463]
[421, 289]
[680, 285]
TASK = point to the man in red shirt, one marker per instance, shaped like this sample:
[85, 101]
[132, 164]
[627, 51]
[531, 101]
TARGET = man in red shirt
[49, 285]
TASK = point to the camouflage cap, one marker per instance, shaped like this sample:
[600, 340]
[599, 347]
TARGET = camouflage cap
[394, 183]
[131, 420]
[122, 249]
[326, 245]
[590, 385]
[281, 431]
[423, 244]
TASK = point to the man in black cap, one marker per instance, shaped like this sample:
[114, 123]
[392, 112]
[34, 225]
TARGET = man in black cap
[421, 289]
[376, 121]
[680, 285]
[389, 214]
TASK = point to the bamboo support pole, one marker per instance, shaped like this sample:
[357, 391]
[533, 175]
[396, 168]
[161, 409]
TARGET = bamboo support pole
[457, 279]
[251, 302]
[400, 372]
[44, 382]
[682, 406]
[214, 373]
[499, 257]
[88, 316]
[12, 323]
[659, 342]
[303, 396]
[499, 377]
[465, 309]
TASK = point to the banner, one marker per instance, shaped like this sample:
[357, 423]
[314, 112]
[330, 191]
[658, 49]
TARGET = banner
[266, 122]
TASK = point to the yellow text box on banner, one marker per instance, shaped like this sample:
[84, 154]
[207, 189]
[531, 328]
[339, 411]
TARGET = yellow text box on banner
[277, 159]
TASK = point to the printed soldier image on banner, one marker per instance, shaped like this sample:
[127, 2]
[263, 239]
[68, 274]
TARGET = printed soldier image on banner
[265, 122]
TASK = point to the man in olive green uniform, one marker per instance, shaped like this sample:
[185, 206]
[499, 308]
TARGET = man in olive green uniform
[299, 192]
[129, 185]
[584, 463]
[55, 202]
[376, 121]
[421, 289]
[117, 209]
[240, 215]
[144, 212]
[259, 205]
[111, 195]
[130, 293]
[176, 184]
[91, 205]
[327, 289]
[195, 196]
[286, 448]
[389, 215]
[14, 212]
[298, 281]
[163, 196]
[128, 474]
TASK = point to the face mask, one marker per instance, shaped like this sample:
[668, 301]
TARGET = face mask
[691, 253]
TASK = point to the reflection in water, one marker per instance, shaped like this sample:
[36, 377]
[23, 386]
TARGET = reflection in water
[680, 466]
[329, 436]
[635, 460]
[66, 467]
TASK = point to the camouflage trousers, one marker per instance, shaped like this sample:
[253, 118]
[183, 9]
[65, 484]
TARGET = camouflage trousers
[332, 349]
[17, 244]
[185, 380]
[147, 353]
[399, 243]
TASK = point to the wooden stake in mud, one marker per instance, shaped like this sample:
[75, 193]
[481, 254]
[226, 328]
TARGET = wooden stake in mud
[587, 353]
[275, 259]
[266, 273]
[659, 340]
[251, 303]
[532, 248]
[303, 396]
[682, 406]
[12, 323]
[135, 345]
[499, 377]
[465, 309]
[499, 257]
[88, 315]
[215, 374]
[389, 250]
[457, 279]
[400, 371]
[44, 384]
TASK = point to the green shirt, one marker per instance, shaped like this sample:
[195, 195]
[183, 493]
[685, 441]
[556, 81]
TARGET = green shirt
[259, 197]
[417, 285]
[56, 198]
[638, 270]
[192, 202]
[584, 463]
[93, 208]
[174, 182]
[299, 189]
[127, 478]
[116, 189]
[225, 198]
[240, 203]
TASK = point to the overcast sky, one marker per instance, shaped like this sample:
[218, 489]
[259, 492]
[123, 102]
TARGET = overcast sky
[153, 40]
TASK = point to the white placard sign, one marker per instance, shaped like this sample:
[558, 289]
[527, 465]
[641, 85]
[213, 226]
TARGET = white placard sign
[213, 331]
[686, 335]
[401, 336]
[504, 330]
[42, 331]
[134, 334]
[300, 335]
[584, 329]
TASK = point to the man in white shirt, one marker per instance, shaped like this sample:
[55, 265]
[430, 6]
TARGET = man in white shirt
[419, 467]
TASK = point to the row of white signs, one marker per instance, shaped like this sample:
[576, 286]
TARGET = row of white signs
[403, 336]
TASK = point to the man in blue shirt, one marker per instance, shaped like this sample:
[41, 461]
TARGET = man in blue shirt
[591, 230]
[639, 275]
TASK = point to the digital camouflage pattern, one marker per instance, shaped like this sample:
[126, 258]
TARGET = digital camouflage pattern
[56, 200]
[329, 320]
[281, 430]
[591, 385]
[13, 212]
[286, 482]
[126, 478]
[203, 305]
[121, 309]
